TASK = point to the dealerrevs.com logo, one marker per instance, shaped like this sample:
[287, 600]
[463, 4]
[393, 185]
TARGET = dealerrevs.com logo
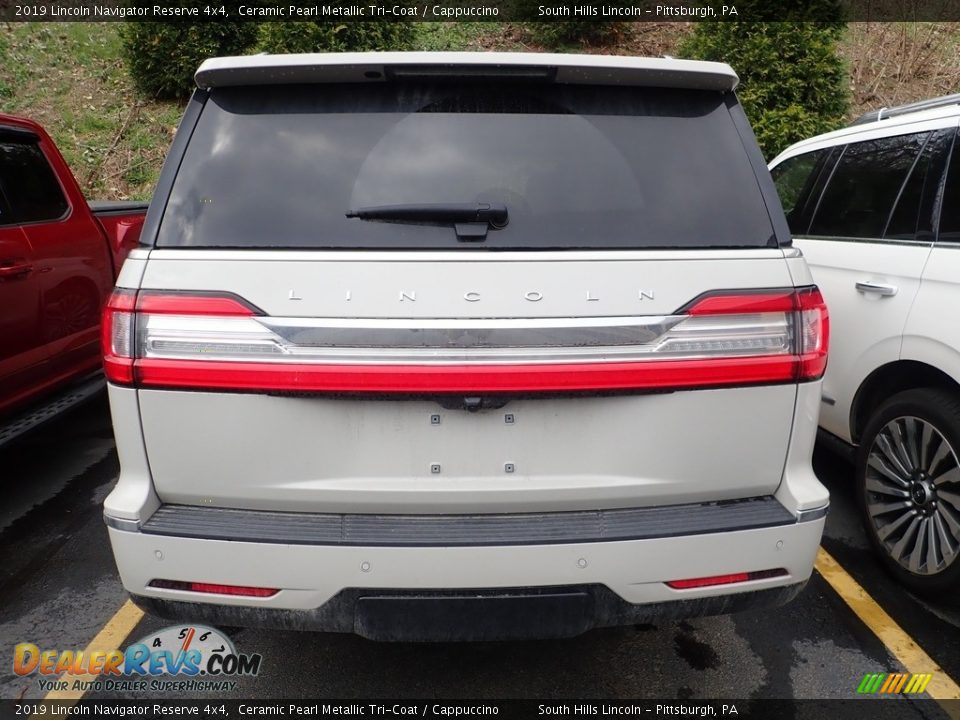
[200, 658]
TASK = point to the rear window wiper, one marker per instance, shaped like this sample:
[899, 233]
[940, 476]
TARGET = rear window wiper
[471, 221]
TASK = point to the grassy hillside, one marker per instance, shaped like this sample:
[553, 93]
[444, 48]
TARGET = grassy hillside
[895, 63]
[70, 77]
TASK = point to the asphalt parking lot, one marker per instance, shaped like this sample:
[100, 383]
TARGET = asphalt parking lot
[59, 588]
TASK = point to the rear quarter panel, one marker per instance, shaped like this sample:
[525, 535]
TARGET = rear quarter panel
[932, 334]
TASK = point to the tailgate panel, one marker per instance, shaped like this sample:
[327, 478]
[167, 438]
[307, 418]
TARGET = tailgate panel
[325, 453]
[345, 455]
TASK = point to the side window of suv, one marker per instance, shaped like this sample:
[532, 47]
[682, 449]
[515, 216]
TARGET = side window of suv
[27, 180]
[949, 229]
[865, 185]
[794, 179]
[913, 216]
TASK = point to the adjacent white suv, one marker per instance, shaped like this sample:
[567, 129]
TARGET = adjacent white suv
[464, 346]
[875, 208]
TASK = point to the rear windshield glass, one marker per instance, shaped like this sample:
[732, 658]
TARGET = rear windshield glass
[575, 166]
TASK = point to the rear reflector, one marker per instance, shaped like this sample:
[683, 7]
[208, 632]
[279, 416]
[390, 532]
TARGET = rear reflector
[214, 589]
[219, 341]
[726, 579]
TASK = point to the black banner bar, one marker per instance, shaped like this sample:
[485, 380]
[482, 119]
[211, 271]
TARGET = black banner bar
[218, 709]
[479, 10]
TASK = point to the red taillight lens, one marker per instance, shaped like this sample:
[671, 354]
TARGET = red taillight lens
[728, 579]
[214, 588]
[813, 334]
[117, 339]
[215, 304]
[118, 331]
[777, 301]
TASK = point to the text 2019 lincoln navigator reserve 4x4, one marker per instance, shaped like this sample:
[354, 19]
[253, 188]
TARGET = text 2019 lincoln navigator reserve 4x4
[464, 346]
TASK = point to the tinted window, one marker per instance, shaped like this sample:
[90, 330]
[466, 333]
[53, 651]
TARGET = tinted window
[950, 206]
[913, 213]
[794, 178]
[576, 166]
[865, 185]
[6, 217]
[29, 184]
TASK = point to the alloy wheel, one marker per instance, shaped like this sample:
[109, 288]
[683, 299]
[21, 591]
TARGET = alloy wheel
[913, 495]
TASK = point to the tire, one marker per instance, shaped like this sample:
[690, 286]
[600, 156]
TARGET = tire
[908, 490]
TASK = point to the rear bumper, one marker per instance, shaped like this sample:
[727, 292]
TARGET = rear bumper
[468, 615]
[551, 587]
[462, 530]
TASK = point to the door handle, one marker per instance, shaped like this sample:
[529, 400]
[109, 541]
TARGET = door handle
[877, 289]
[15, 271]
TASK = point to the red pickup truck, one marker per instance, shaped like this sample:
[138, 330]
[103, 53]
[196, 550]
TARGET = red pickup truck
[59, 257]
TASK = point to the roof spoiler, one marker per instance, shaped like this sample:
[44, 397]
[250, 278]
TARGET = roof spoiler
[381, 67]
[886, 113]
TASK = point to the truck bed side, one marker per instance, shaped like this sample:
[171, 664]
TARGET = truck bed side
[122, 222]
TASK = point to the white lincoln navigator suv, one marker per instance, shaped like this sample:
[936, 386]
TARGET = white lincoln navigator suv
[875, 209]
[464, 346]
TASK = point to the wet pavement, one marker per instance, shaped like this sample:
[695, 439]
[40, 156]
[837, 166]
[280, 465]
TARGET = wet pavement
[58, 587]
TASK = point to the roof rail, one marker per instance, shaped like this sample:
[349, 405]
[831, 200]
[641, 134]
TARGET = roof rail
[885, 113]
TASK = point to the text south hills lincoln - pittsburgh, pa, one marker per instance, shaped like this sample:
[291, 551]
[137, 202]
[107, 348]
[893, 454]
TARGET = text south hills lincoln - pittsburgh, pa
[641, 10]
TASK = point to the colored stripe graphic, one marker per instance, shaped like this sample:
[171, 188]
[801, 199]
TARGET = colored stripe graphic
[903, 681]
[893, 683]
[918, 683]
[870, 680]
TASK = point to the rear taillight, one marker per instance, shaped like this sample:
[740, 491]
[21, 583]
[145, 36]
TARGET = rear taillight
[813, 334]
[128, 315]
[117, 336]
[804, 308]
[218, 341]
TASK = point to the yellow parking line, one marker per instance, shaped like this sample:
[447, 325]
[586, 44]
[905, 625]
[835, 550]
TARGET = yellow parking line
[110, 637]
[942, 687]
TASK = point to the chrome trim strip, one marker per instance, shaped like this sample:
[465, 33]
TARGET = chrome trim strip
[467, 530]
[361, 341]
[867, 241]
[121, 523]
[814, 514]
[470, 333]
